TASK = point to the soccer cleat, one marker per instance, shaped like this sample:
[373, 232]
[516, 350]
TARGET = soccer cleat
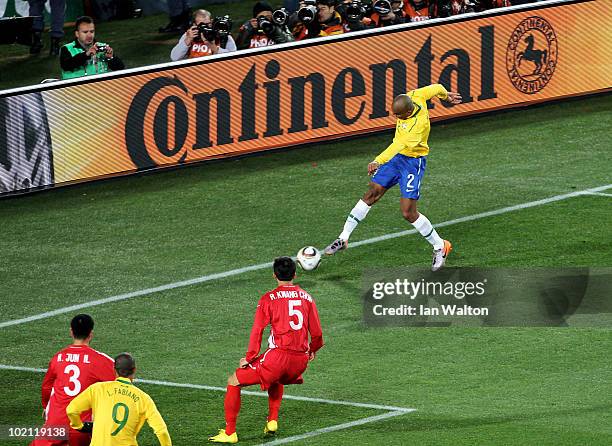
[337, 245]
[271, 427]
[222, 437]
[440, 255]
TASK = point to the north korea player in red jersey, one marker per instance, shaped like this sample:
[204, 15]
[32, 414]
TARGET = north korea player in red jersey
[293, 314]
[70, 372]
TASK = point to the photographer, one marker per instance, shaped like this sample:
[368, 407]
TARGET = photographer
[420, 10]
[385, 15]
[318, 21]
[204, 37]
[84, 55]
[447, 8]
[263, 29]
[355, 15]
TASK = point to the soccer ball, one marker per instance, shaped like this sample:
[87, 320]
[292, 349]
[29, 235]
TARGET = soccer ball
[309, 258]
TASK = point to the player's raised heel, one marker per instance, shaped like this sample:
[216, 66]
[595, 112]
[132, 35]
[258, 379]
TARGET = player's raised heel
[271, 427]
[222, 437]
[440, 255]
[337, 245]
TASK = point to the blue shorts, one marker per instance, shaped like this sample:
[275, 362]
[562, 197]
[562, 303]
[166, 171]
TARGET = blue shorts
[405, 171]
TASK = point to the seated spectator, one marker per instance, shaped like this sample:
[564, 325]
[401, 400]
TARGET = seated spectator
[194, 44]
[86, 56]
[261, 30]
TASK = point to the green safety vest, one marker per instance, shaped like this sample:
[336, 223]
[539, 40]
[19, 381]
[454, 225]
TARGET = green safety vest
[88, 69]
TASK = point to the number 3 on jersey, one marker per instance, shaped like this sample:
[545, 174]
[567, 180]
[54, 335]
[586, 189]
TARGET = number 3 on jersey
[74, 373]
[293, 311]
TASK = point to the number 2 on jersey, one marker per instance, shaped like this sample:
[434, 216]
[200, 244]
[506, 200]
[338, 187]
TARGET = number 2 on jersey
[295, 312]
[120, 421]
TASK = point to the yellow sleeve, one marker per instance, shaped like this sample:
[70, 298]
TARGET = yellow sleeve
[158, 424]
[80, 404]
[432, 90]
[394, 148]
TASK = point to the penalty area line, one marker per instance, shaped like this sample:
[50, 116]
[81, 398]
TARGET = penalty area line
[238, 271]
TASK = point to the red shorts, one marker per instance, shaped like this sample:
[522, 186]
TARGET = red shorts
[274, 366]
[76, 438]
[56, 416]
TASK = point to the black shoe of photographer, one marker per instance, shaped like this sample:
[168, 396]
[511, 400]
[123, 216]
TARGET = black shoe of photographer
[36, 45]
[174, 27]
[54, 50]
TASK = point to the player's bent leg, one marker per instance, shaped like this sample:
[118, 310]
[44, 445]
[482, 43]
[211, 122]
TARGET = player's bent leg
[357, 214]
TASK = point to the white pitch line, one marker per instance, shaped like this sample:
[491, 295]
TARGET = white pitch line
[144, 292]
[337, 427]
[238, 271]
[516, 207]
[597, 193]
[244, 392]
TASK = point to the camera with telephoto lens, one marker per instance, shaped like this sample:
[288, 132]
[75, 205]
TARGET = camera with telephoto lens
[354, 11]
[382, 7]
[222, 26]
[280, 16]
[308, 12]
[206, 32]
[264, 25]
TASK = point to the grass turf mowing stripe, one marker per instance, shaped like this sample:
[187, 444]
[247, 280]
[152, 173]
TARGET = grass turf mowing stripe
[244, 392]
[260, 266]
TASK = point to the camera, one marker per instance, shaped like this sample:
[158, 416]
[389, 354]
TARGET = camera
[382, 7]
[101, 47]
[354, 11]
[264, 25]
[222, 26]
[308, 12]
[206, 32]
[280, 16]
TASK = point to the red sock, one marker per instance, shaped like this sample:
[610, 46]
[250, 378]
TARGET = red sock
[232, 407]
[275, 396]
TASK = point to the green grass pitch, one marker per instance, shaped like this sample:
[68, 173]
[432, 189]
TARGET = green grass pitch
[470, 386]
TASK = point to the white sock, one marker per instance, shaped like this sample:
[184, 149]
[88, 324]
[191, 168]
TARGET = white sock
[358, 213]
[423, 225]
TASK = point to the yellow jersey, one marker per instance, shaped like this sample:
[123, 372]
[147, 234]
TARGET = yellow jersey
[119, 410]
[411, 134]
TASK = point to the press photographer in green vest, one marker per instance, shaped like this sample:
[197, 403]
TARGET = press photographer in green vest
[85, 56]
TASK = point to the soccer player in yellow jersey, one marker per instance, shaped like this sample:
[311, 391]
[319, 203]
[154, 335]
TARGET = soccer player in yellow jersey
[119, 409]
[403, 163]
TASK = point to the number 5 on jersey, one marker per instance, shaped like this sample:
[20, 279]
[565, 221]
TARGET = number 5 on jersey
[293, 311]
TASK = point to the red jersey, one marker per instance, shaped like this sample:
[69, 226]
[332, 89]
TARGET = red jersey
[71, 371]
[293, 314]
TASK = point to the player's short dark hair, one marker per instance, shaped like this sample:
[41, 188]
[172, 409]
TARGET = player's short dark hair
[82, 19]
[284, 268]
[82, 325]
[125, 365]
